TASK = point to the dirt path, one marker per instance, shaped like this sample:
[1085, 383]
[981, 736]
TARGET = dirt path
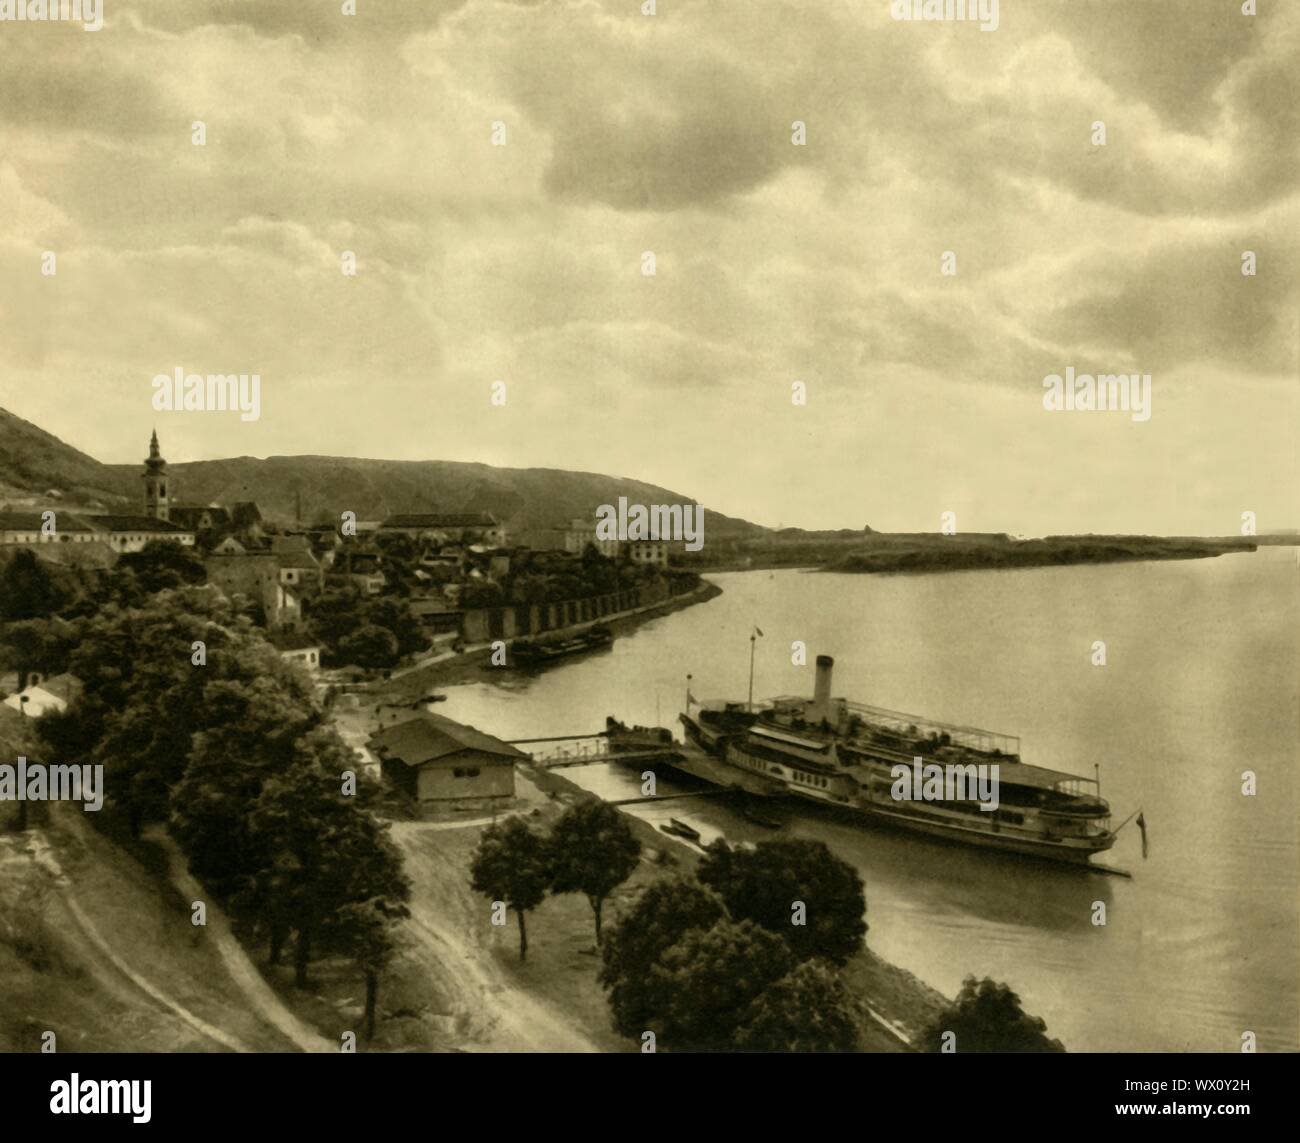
[487, 1007]
[43, 856]
[261, 996]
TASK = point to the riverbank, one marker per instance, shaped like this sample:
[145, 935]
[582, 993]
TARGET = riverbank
[894, 1005]
[467, 666]
[459, 985]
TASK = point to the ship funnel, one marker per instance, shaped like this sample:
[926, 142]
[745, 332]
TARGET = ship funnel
[822, 688]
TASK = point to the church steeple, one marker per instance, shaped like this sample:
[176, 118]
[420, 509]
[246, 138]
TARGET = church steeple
[155, 482]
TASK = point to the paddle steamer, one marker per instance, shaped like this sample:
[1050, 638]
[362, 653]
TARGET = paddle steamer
[845, 754]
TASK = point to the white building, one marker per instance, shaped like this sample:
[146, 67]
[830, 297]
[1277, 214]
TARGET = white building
[53, 694]
[132, 533]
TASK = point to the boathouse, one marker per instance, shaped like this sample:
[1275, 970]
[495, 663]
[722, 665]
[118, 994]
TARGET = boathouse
[445, 764]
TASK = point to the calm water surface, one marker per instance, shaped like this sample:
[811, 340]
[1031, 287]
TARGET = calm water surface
[1202, 682]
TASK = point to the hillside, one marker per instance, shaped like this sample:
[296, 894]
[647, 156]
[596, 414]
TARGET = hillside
[32, 463]
[35, 463]
[523, 498]
[96, 948]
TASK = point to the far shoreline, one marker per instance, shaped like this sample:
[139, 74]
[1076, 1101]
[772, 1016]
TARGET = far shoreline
[901, 555]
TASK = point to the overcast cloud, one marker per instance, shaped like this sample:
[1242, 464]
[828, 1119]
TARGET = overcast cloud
[672, 134]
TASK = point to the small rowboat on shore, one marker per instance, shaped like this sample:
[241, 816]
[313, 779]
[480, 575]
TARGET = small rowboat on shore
[680, 829]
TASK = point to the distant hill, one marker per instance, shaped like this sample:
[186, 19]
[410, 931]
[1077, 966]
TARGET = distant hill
[525, 499]
[34, 463]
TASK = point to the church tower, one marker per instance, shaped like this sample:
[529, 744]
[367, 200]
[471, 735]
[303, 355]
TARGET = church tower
[155, 482]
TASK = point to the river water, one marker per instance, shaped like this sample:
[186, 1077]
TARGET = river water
[1201, 683]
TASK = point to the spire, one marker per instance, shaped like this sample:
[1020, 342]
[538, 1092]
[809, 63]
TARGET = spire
[155, 481]
[155, 461]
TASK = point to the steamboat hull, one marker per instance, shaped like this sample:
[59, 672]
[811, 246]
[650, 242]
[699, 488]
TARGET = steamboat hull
[1058, 851]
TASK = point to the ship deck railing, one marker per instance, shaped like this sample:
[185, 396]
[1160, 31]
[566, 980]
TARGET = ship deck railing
[909, 725]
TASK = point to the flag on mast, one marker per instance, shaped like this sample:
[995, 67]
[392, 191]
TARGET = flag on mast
[759, 630]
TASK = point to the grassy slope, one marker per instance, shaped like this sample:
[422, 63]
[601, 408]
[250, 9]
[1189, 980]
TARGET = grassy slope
[53, 976]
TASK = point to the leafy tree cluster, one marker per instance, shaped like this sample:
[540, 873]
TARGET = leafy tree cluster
[366, 632]
[34, 588]
[199, 723]
[546, 576]
[30, 588]
[743, 956]
[987, 1017]
[590, 850]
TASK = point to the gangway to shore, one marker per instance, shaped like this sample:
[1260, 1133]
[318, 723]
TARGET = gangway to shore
[580, 749]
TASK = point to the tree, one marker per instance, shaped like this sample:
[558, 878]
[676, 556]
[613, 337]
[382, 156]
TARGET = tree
[510, 865]
[18, 739]
[320, 850]
[234, 746]
[43, 645]
[767, 883]
[367, 929]
[163, 564]
[251, 731]
[987, 1017]
[664, 913]
[593, 851]
[369, 646]
[807, 1010]
[703, 986]
[333, 616]
[29, 589]
[145, 697]
[396, 616]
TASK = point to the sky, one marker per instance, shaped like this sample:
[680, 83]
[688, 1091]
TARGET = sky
[523, 261]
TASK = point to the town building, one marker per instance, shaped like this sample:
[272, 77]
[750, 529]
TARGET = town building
[447, 527]
[298, 566]
[651, 553]
[131, 533]
[325, 541]
[258, 576]
[295, 647]
[362, 569]
[445, 764]
[579, 533]
[200, 518]
[30, 528]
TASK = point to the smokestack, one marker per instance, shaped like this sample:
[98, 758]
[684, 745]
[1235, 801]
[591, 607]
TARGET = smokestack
[822, 688]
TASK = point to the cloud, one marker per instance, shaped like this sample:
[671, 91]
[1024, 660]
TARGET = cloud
[669, 134]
